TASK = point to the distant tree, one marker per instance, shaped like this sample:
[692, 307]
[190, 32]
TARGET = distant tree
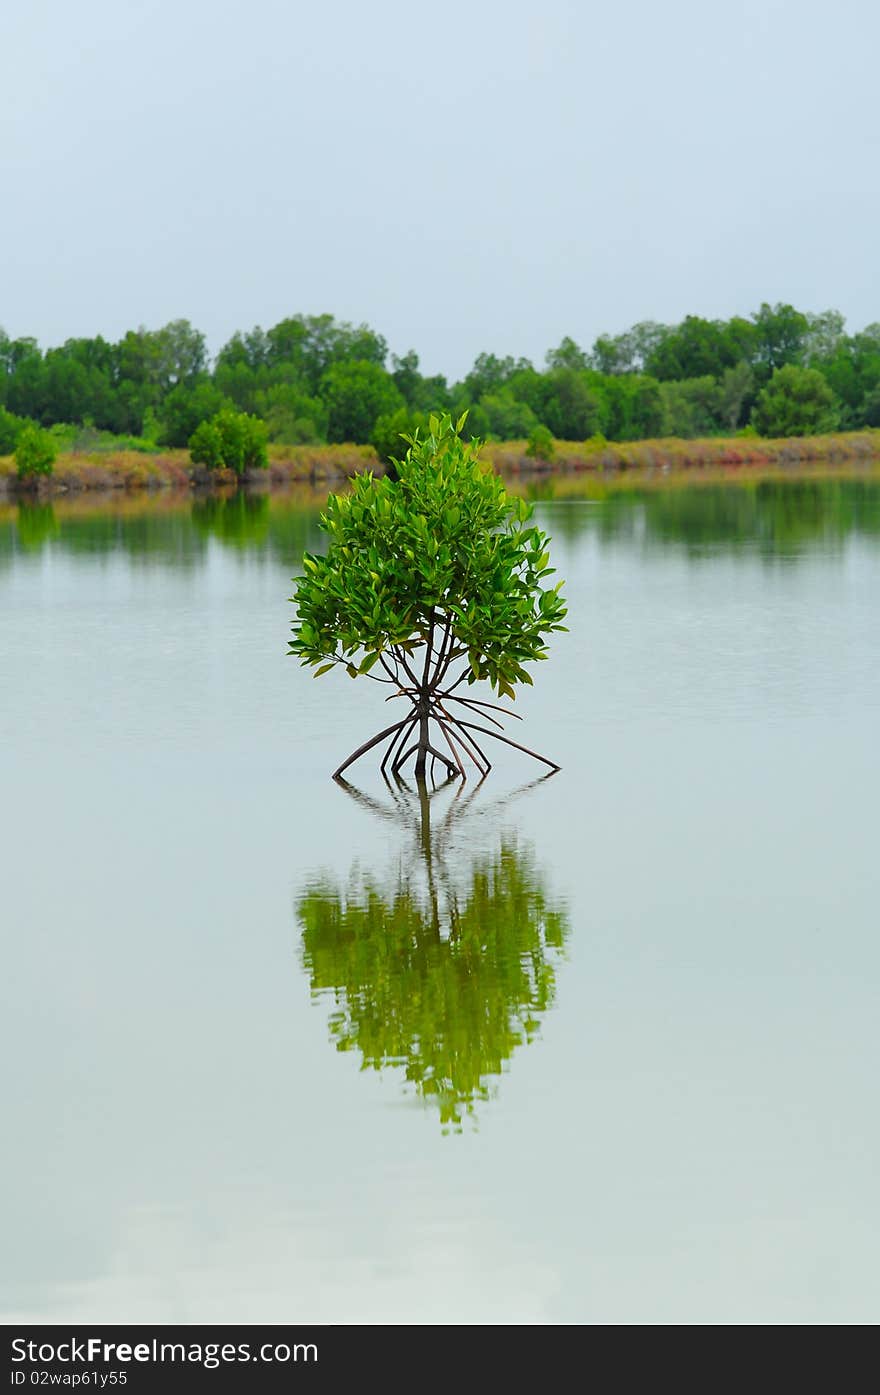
[239, 383]
[734, 390]
[476, 420]
[569, 406]
[629, 352]
[231, 440]
[697, 348]
[490, 373]
[35, 452]
[781, 334]
[26, 394]
[406, 375]
[250, 350]
[390, 433]
[182, 355]
[612, 354]
[137, 359]
[871, 411]
[853, 372]
[506, 418]
[313, 343]
[356, 395]
[825, 335]
[690, 407]
[292, 417]
[135, 410]
[567, 355]
[796, 402]
[743, 335]
[634, 407]
[74, 389]
[10, 430]
[186, 407]
[540, 445]
[5, 365]
[19, 351]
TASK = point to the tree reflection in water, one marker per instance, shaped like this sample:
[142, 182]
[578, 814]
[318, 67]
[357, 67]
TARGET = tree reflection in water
[440, 972]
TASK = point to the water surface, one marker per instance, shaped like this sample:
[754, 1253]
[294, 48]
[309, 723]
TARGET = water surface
[595, 1048]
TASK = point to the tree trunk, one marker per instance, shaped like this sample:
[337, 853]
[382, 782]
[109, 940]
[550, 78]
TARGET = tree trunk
[424, 702]
[422, 753]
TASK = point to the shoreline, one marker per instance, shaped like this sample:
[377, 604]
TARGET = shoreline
[722, 457]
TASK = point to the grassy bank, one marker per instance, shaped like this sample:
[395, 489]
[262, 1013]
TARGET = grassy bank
[718, 452]
[136, 470]
[132, 470]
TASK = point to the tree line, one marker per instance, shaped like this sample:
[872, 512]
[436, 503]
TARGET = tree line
[315, 379]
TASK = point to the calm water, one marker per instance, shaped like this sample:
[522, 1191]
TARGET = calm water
[599, 1048]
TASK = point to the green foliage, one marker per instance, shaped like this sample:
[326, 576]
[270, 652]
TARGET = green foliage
[796, 402]
[314, 379]
[541, 445]
[507, 418]
[696, 349]
[490, 373]
[690, 408]
[872, 407]
[10, 430]
[291, 416]
[443, 539]
[206, 445]
[734, 392]
[186, 407]
[35, 452]
[569, 405]
[629, 352]
[310, 344]
[230, 440]
[781, 335]
[569, 355]
[634, 407]
[356, 394]
[391, 432]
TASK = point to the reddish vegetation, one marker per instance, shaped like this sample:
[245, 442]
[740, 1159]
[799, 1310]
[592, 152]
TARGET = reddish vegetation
[329, 465]
[510, 458]
[173, 469]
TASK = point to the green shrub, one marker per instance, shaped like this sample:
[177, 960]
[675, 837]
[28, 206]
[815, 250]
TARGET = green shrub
[390, 429]
[231, 440]
[796, 402]
[541, 445]
[435, 578]
[10, 429]
[35, 452]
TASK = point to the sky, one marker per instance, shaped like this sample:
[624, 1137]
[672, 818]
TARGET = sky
[488, 175]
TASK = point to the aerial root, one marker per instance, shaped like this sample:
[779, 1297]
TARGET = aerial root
[456, 732]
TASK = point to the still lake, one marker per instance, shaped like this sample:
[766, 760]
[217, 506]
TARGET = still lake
[621, 1069]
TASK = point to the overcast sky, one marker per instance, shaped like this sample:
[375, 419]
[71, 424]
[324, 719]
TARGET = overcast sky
[465, 176]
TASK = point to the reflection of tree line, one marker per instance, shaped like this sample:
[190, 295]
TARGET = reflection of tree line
[776, 517]
[178, 535]
[441, 973]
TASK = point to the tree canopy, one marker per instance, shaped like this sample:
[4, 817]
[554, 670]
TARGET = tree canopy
[796, 402]
[314, 378]
[435, 578]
